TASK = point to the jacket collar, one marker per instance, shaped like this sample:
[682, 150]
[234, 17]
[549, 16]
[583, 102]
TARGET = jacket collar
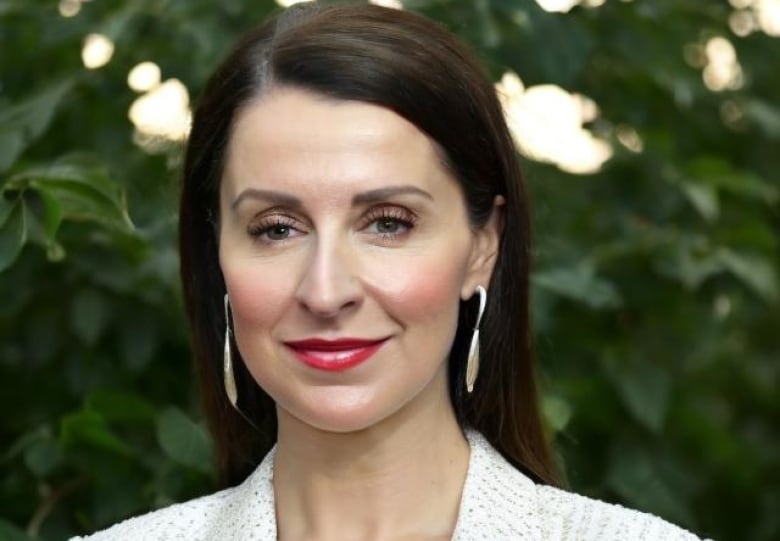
[498, 501]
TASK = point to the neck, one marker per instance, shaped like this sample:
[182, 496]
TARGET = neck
[400, 478]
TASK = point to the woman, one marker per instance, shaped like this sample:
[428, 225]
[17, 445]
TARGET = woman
[354, 244]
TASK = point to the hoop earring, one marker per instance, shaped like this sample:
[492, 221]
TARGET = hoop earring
[472, 365]
[228, 376]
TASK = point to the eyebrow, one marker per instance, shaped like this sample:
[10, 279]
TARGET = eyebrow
[270, 196]
[363, 198]
[375, 196]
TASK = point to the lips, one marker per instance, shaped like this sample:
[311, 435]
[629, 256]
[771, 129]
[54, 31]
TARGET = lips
[334, 355]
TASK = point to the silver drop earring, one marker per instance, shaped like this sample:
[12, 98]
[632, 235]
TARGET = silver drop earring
[472, 365]
[227, 367]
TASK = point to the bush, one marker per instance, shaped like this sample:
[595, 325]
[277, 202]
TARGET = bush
[655, 290]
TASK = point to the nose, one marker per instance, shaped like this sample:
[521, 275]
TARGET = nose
[329, 286]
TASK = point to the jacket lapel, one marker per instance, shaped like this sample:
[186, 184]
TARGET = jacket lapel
[498, 501]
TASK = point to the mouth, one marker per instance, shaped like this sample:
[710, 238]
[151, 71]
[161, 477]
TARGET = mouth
[335, 355]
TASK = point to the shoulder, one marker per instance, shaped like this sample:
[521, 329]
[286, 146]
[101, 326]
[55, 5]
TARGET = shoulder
[500, 502]
[228, 514]
[568, 516]
[187, 520]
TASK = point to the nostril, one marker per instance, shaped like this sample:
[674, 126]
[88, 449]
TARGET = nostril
[328, 287]
[329, 310]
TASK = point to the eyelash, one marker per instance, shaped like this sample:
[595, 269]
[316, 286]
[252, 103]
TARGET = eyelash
[397, 215]
[266, 225]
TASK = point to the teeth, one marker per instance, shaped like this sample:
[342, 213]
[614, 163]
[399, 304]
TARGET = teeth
[334, 355]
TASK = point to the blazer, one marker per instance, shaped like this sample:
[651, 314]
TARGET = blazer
[498, 503]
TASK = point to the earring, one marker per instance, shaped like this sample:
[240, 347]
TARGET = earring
[227, 366]
[472, 365]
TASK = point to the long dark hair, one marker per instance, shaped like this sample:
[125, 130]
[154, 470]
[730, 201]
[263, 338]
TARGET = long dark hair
[417, 69]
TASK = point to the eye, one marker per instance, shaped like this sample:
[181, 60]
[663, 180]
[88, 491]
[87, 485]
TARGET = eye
[389, 226]
[389, 222]
[275, 228]
[278, 232]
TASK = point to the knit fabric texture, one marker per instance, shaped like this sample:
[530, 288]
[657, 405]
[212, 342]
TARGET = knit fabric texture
[498, 503]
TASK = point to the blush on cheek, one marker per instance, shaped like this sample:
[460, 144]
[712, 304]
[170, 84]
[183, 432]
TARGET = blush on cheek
[426, 289]
[256, 298]
[258, 301]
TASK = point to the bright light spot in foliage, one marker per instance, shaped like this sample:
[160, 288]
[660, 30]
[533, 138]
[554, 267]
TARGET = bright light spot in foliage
[395, 4]
[564, 6]
[163, 112]
[694, 55]
[560, 6]
[755, 14]
[288, 3]
[629, 138]
[722, 306]
[69, 8]
[97, 51]
[144, 76]
[743, 22]
[722, 71]
[732, 114]
[768, 12]
[546, 123]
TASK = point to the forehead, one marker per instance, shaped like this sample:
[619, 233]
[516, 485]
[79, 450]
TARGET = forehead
[296, 139]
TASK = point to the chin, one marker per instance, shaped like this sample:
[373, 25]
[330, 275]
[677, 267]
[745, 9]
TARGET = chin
[340, 409]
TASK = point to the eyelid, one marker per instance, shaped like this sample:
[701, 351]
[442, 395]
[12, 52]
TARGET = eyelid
[389, 210]
[401, 216]
[275, 218]
[262, 223]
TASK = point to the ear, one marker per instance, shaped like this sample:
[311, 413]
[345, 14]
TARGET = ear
[484, 252]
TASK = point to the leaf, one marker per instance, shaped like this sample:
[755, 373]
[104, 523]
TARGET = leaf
[11, 145]
[52, 214]
[688, 259]
[183, 440]
[76, 187]
[22, 123]
[9, 532]
[137, 340]
[89, 315]
[43, 232]
[6, 207]
[486, 22]
[13, 231]
[704, 198]
[580, 284]
[43, 457]
[120, 407]
[756, 272]
[87, 427]
[556, 412]
[25, 441]
[643, 388]
[692, 260]
[721, 174]
[765, 115]
[637, 476]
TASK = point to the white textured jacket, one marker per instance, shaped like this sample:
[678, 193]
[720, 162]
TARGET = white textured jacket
[498, 503]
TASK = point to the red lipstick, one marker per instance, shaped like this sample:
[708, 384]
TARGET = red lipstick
[334, 355]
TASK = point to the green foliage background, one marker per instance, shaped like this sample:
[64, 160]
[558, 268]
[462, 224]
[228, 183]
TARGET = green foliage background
[656, 301]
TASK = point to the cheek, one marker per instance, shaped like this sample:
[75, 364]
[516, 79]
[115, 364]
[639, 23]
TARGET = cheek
[423, 290]
[258, 294]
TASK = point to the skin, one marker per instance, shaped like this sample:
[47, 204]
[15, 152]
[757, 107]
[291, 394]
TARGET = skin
[338, 219]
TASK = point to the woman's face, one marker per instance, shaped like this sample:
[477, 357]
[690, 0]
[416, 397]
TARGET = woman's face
[345, 248]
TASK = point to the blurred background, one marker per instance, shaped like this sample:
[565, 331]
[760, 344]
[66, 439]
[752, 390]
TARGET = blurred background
[650, 131]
